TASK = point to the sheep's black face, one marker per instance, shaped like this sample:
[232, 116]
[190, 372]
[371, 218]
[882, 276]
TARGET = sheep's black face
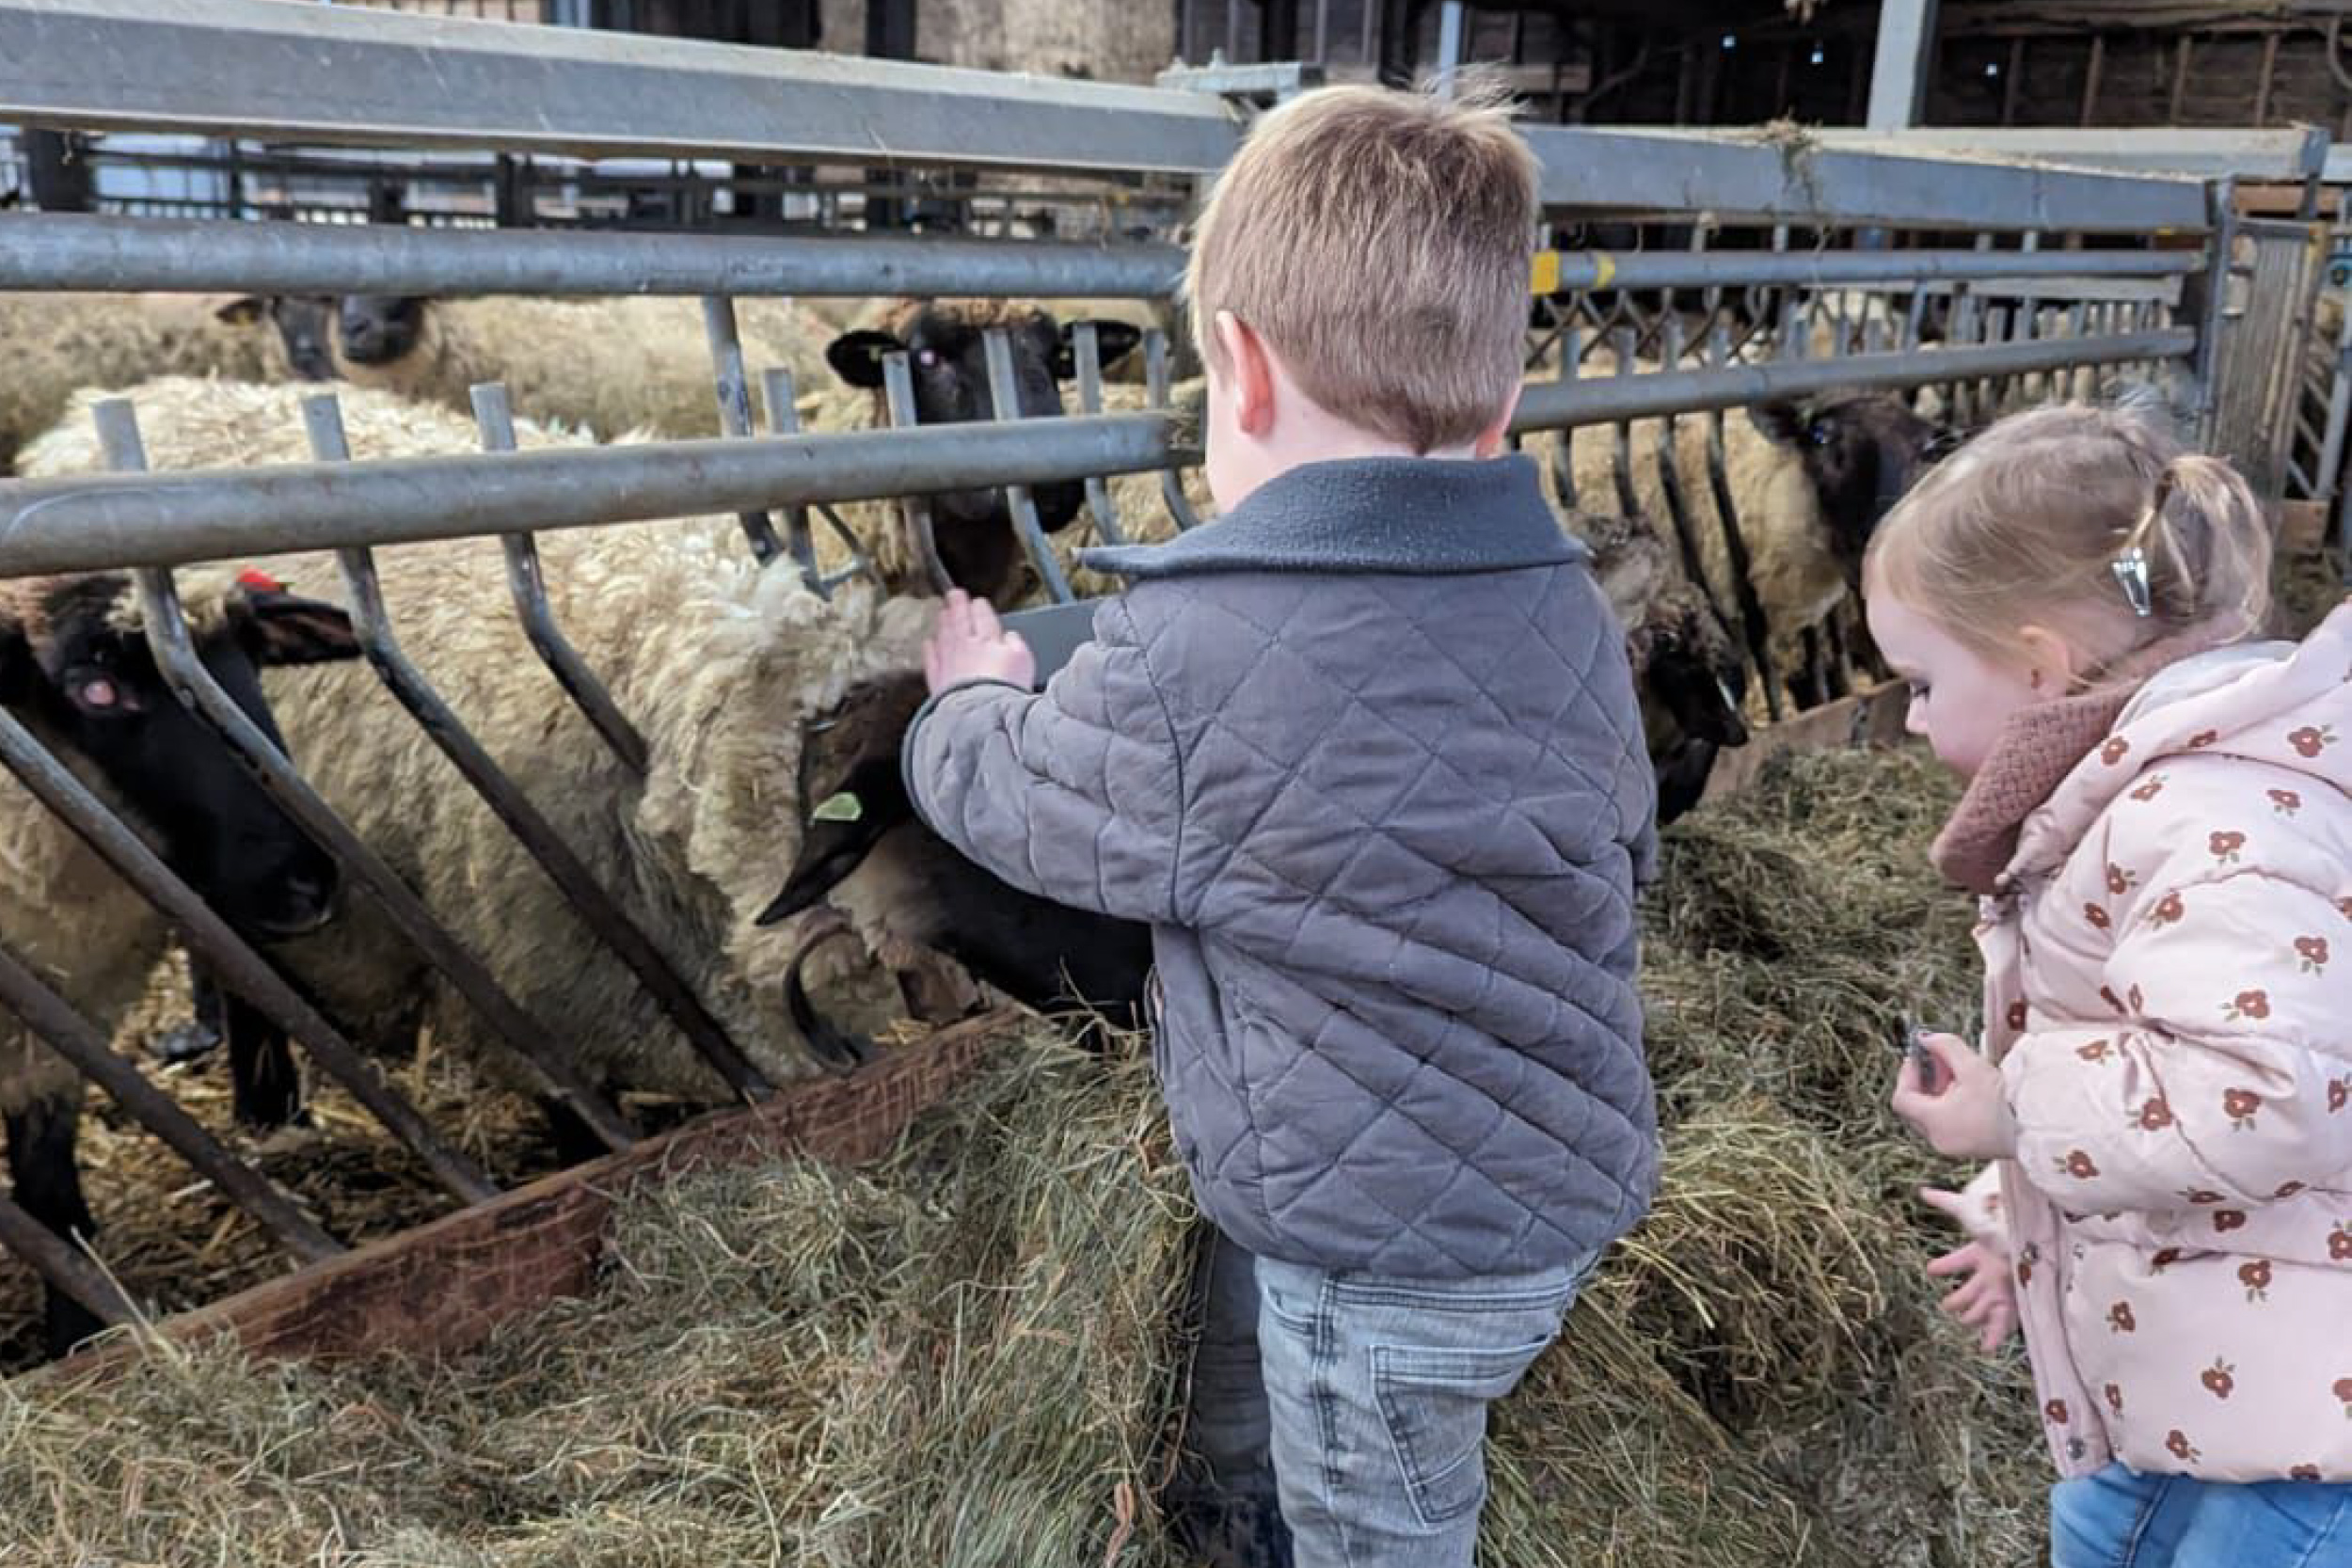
[1695, 670]
[1861, 452]
[304, 323]
[380, 329]
[93, 689]
[947, 364]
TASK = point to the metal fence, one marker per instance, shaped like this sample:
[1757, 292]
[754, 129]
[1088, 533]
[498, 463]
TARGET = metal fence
[1992, 282]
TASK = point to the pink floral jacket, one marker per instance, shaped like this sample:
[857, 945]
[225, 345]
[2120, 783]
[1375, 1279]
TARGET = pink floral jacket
[2169, 992]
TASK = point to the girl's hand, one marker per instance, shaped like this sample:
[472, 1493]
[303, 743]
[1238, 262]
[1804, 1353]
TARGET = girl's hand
[969, 643]
[1967, 1116]
[1986, 1300]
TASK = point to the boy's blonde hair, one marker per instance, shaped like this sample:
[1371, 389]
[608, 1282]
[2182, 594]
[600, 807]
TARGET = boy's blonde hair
[1381, 241]
[2028, 523]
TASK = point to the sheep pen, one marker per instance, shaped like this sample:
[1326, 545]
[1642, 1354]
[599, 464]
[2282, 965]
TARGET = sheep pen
[801, 1363]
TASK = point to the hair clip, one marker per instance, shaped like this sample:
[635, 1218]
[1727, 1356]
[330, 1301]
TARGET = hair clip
[2131, 570]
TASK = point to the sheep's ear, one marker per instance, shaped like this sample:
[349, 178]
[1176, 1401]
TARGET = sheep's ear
[280, 627]
[1113, 341]
[856, 357]
[243, 310]
[1782, 422]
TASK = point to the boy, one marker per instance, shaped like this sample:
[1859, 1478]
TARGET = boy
[1364, 752]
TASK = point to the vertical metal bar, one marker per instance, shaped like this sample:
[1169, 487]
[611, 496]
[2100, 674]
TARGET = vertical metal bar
[55, 1260]
[1450, 40]
[1563, 448]
[1898, 70]
[1621, 455]
[1087, 349]
[223, 952]
[784, 419]
[1679, 509]
[1323, 32]
[1755, 631]
[72, 1037]
[497, 423]
[735, 408]
[1004, 396]
[1157, 392]
[915, 513]
[2220, 262]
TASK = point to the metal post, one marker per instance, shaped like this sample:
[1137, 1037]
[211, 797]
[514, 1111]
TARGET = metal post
[735, 408]
[1088, 352]
[1753, 626]
[1450, 45]
[785, 419]
[1004, 396]
[497, 422]
[914, 511]
[1899, 70]
[1157, 390]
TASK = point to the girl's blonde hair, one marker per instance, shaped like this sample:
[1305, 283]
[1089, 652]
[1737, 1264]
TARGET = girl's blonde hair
[2037, 521]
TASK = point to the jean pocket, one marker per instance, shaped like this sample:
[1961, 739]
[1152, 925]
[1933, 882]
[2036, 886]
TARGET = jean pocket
[1433, 1402]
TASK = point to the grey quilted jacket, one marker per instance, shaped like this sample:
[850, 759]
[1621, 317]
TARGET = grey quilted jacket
[1365, 754]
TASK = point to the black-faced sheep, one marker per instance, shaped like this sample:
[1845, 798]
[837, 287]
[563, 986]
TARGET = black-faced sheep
[55, 343]
[717, 661]
[947, 365]
[1809, 481]
[75, 670]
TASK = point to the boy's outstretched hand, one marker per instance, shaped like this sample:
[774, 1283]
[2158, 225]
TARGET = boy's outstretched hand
[969, 643]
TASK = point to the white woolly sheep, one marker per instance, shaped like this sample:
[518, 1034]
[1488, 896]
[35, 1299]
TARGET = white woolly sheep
[54, 343]
[600, 365]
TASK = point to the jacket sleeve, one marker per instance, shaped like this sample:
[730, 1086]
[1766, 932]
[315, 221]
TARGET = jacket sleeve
[2223, 1078]
[1076, 793]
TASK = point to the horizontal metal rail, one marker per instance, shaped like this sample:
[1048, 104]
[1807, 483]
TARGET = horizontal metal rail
[1755, 176]
[75, 1038]
[44, 250]
[2274, 155]
[336, 73]
[171, 519]
[1562, 271]
[1603, 399]
[332, 73]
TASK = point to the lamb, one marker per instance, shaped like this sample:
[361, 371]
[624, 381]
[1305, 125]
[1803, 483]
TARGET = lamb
[602, 365]
[723, 666]
[75, 670]
[56, 342]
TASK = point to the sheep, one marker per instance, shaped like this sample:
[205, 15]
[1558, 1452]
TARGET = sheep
[948, 371]
[721, 664]
[56, 343]
[1809, 481]
[74, 669]
[602, 365]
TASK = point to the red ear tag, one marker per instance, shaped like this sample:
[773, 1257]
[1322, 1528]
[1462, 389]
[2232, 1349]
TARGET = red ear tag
[253, 577]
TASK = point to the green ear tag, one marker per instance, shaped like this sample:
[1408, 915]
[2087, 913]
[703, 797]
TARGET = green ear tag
[844, 807]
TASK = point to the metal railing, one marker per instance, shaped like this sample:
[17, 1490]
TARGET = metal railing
[1997, 282]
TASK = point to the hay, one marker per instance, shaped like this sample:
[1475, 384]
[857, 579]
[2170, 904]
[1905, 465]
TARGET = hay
[969, 1352]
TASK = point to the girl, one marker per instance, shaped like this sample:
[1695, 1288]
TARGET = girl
[2159, 823]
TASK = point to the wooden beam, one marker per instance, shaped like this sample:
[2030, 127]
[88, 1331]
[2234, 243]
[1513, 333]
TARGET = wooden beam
[2091, 78]
[2180, 77]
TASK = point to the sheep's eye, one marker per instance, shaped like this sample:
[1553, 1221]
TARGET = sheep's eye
[926, 358]
[95, 693]
[1822, 433]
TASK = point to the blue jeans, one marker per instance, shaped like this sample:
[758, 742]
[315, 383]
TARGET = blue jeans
[1342, 1419]
[2119, 1518]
